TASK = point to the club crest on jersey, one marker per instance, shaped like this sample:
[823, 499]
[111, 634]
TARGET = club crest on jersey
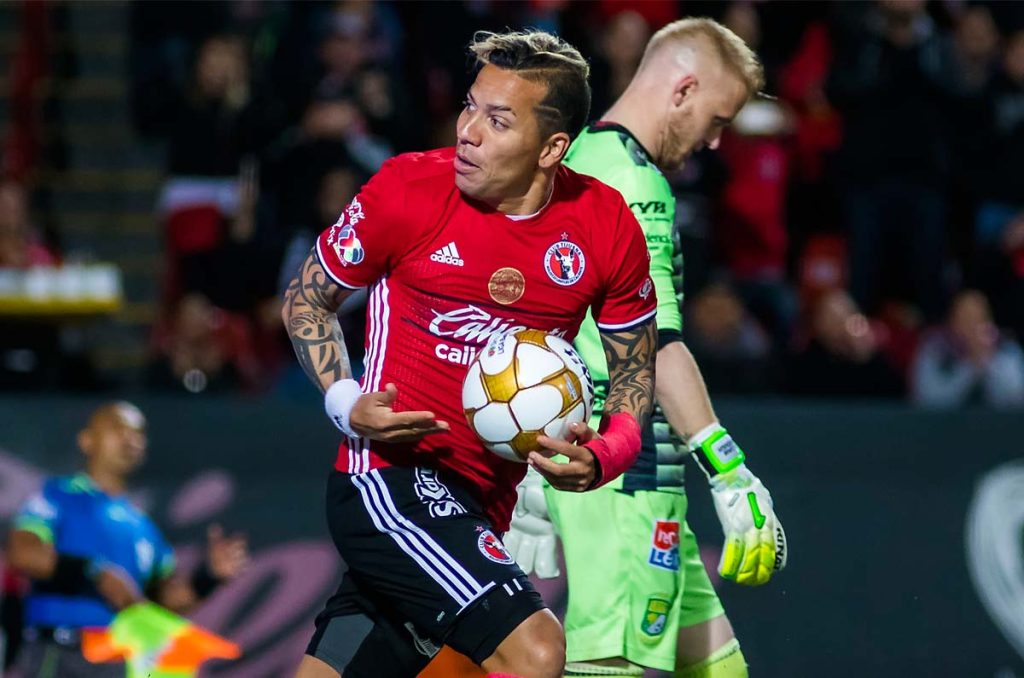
[665, 545]
[493, 549]
[564, 262]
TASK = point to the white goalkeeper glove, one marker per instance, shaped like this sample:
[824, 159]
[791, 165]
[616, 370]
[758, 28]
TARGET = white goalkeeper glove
[531, 538]
[755, 543]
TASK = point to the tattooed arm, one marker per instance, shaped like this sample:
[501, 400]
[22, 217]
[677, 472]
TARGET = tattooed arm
[595, 459]
[631, 358]
[310, 315]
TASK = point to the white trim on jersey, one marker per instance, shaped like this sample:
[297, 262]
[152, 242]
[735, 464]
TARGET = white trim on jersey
[327, 269]
[417, 544]
[379, 317]
[631, 324]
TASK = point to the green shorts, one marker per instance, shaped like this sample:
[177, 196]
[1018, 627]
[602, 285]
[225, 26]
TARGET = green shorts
[635, 576]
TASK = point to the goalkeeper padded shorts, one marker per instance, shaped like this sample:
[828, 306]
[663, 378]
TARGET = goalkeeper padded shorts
[634, 574]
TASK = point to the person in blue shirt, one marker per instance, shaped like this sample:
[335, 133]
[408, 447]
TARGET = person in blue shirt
[90, 552]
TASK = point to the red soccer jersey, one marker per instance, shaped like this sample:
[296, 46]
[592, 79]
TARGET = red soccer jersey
[445, 273]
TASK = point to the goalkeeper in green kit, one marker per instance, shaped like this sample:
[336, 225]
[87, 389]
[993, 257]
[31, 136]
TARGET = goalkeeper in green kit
[639, 595]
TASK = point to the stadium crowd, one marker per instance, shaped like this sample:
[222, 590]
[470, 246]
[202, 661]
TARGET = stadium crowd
[861, 232]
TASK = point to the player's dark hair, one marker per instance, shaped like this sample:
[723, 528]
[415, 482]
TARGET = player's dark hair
[541, 57]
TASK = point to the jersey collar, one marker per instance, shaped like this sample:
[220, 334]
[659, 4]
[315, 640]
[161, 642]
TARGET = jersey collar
[607, 126]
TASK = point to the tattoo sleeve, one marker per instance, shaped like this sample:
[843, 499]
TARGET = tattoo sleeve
[310, 315]
[631, 358]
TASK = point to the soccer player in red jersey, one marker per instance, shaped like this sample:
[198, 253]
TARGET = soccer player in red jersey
[455, 246]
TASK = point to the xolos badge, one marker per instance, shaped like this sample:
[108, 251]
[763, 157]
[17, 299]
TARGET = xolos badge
[564, 262]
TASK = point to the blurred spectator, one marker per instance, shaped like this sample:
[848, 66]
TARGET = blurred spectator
[733, 352]
[999, 225]
[967, 360]
[750, 233]
[331, 192]
[893, 80]
[843, 356]
[202, 350]
[813, 199]
[976, 42]
[19, 245]
[619, 50]
[210, 134]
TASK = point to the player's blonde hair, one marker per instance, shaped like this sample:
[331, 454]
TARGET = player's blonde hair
[538, 56]
[729, 47]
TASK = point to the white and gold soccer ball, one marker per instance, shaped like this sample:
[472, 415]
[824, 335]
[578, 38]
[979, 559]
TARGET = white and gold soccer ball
[522, 385]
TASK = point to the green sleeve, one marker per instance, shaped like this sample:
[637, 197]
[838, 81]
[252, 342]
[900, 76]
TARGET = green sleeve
[650, 197]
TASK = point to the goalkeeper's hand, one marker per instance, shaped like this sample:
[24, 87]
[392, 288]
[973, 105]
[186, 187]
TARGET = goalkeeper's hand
[531, 538]
[755, 543]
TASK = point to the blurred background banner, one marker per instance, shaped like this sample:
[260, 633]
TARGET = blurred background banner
[875, 499]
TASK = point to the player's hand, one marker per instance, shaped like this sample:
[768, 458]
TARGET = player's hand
[579, 473]
[226, 557]
[531, 539]
[373, 417]
[755, 543]
[116, 586]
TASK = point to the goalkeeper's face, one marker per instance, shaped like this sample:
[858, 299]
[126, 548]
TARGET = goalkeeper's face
[501, 151]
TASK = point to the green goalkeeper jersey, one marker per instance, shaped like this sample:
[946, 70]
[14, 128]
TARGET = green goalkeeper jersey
[609, 152]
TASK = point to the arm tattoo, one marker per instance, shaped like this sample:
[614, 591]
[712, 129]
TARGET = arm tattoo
[310, 315]
[631, 355]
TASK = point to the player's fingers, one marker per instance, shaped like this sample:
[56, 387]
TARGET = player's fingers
[406, 435]
[572, 476]
[527, 554]
[391, 421]
[581, 433]
[389, 393]
[552, 446]
[732, 556]
[545, 562]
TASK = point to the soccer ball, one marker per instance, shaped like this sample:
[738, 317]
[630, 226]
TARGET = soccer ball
[522, 385]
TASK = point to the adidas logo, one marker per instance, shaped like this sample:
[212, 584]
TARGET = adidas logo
[449, 254]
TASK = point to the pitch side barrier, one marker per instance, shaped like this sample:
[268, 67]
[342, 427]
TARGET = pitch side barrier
[902, 526]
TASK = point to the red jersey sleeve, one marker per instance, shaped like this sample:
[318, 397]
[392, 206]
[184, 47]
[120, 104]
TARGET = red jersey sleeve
[629, 299]
[365, 242]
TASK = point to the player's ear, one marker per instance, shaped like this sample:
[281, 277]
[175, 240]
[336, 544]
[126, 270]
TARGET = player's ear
[554, 150]
[685, 88]
[84, 440]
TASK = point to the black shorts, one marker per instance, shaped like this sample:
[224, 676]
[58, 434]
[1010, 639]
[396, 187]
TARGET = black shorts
[425, 569]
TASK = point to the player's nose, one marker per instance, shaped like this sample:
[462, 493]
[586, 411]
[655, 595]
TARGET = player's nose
[468, 130]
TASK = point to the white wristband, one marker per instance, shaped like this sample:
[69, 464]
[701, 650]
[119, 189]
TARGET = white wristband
[339, 400]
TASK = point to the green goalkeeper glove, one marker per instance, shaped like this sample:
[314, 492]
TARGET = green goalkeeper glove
[755, 543]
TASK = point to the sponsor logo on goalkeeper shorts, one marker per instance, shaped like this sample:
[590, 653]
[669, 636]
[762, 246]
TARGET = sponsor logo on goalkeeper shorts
[655, 616]
[665, 545]
[493, 549]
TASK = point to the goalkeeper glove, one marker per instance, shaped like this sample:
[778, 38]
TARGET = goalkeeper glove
[531, 538]
[755, 543]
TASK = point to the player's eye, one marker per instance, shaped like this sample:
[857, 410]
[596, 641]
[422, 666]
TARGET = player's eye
[498, 123]
[467, 104]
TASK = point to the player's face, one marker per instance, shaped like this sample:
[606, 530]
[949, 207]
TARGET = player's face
[498, 136]
[115, 441]
[698, 114]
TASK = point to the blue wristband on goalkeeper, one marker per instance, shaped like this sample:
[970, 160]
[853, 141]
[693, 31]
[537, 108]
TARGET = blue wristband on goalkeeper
[715, 451]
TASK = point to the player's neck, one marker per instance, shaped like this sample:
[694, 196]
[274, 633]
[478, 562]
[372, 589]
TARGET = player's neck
[629, 112]
[535, 198]
[110, 483]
